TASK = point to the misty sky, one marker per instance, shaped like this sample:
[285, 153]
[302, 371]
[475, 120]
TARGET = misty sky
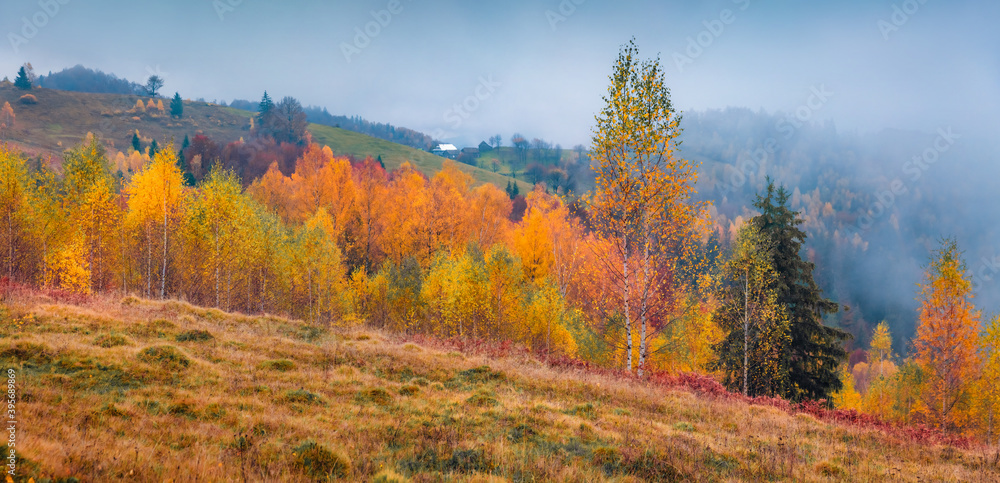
[537, 70]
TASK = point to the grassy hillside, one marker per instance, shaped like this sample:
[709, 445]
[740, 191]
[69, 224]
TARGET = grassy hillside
[393, 155]
[164, 391]
[61, 119]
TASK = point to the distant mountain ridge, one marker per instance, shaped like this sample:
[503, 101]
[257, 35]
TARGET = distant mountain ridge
[82, 79]
[386, 131]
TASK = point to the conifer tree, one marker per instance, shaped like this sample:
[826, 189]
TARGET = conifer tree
[264, 109]
[183, 165]
[815, 351]
[22, 81]
[177, 106]
[754, 324]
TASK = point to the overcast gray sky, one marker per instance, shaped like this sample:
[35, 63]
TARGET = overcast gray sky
[538, 67]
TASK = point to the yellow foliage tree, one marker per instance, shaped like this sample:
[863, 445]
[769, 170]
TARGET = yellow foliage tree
[216, 239]
[68, 269]
[988, 390]
[453, 292]
[317, 268]
[947, 340]
[14, 209]
[689, 344]
[99, 216]
[847, 397]
[642, 200]
[155, 199]
[881, 349]
[546, 319]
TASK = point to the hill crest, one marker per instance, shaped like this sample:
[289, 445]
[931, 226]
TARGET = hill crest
[61, 119]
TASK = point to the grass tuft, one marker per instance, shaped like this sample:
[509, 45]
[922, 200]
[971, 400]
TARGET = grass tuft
[521, 433]
[130, 300]
[280, 365]
[303, 397]
[481, 375]
[375, 395]
[830, 469]
[165, 356]
[319, 463]
[194, 336]
[182, 409]
[389, 476]
[482, 399]
[108, 341]
[25, 352]
[585, 411]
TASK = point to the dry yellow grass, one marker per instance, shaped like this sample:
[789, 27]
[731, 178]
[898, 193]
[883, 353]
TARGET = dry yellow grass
[164, 391]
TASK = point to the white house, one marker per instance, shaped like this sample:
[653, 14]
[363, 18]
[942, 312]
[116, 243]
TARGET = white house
[445, 150]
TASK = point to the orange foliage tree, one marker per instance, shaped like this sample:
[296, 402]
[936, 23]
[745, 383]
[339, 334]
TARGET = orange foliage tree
[7, 118]
[947, 340]
[407, 206]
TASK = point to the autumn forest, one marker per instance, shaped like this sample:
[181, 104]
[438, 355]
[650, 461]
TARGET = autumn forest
[631, 276]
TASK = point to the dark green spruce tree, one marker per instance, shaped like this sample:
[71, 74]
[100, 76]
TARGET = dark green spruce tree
[814, 351]
[177, 106]
[265, 110]
[182, 163]
[136, 143]
[22, 81]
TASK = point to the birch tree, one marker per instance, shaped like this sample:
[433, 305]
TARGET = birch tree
[642, 200]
